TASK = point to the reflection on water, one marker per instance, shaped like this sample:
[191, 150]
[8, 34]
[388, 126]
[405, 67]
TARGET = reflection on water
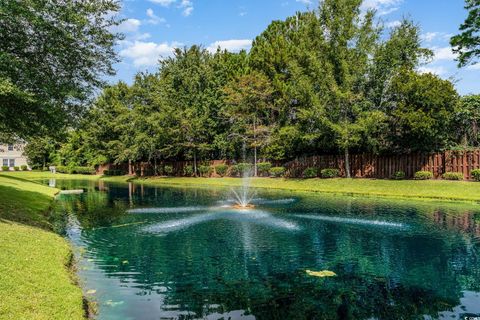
[155, 253]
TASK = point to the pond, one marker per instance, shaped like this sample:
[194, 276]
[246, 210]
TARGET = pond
[182, 253]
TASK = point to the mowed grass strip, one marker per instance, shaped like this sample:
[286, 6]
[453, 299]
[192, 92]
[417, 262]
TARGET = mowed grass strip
[35, 281]
[429, 189]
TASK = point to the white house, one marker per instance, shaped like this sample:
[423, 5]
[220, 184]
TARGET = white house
[11, 155]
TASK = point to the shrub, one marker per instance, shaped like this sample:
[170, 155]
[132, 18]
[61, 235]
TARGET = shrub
[453, 176]
[423, 175]
[113, 172]
[188, 171]
[476, 174]
[16, 168]
[168, 170]
[310, 173]
[5, 168]
[399, 175]
[75, 170]
[221, 169]
[240, 169]
[329, 173]
[205, 171]
[24, 168]
[277, 172]
[263, 168]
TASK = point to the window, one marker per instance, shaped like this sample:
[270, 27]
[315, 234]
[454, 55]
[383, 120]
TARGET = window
[10, 147]
[5, 162]
[12, 163]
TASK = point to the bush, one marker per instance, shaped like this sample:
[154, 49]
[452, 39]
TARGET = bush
[263, 168]
[24, 168]
[75, 170]
[205, 171]
[168, 170]
[16, 168]
[5, 168]
[476, 174]
[399, 175]
[329, 173]
[113, 173]
[240, 169]
[423, 175]
[221, 170]
[188, 171]
[277, 172]
[453, 176]
[310, 173]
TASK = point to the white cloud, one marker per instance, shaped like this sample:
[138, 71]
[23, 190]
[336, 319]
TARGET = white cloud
[438, 70]
[129, 25]
[444, 53]
[185, 5]
[231, 45]
[154, 19]
[383, 7]
[306, 2]
[432, 36]
[164, 3]
[474, 67]
[393, 24]
[148, 53]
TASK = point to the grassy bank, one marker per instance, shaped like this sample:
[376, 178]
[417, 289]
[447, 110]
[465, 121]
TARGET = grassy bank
[35, 282]
[430, 189]
[38, 175]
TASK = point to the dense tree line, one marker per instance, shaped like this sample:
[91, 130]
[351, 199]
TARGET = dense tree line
[324, 81]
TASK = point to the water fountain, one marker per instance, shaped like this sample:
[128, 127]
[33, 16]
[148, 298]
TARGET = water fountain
[244, 197]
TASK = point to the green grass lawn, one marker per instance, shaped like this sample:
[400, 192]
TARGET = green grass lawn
[430, 189]
[35, 281]
[38, 175]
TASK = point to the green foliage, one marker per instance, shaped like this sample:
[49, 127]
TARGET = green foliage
[75, 170]
[423, 175]
[264, 168]
[43, 89]
[188, 171]
[476, 174]
[399, 175]
[221, 169]
[205, 171]
[467, 43]
[5, 168]
[113, 172]
[241, 169]
[467, 121]
[16, 168]
[453, 176]
[24, 167]
[168, 170]
[329, 173]
[310, 173]
[277, 172]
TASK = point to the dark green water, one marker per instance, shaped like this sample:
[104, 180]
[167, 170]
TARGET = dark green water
[393, 260]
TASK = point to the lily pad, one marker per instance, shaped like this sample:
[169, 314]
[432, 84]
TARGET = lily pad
[321, 274]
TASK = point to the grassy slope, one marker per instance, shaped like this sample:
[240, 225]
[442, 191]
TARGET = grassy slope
[34, 280]
[432, 189]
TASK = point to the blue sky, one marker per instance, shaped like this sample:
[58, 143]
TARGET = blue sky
[154, 27]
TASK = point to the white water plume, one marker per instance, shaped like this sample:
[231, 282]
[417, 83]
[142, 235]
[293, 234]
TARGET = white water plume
[365, 222]
[167, 210]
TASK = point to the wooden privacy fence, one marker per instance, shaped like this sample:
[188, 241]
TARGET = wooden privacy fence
[361, 165]
[384, 167]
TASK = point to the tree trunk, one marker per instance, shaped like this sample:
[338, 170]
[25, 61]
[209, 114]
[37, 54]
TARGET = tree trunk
[255, 161]
[347, 163]
[195, 162]
[155, 166]
[130, 173]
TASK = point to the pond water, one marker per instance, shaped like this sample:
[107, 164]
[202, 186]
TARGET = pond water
[180, 253]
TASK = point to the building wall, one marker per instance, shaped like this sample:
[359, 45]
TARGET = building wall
[12, 155]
